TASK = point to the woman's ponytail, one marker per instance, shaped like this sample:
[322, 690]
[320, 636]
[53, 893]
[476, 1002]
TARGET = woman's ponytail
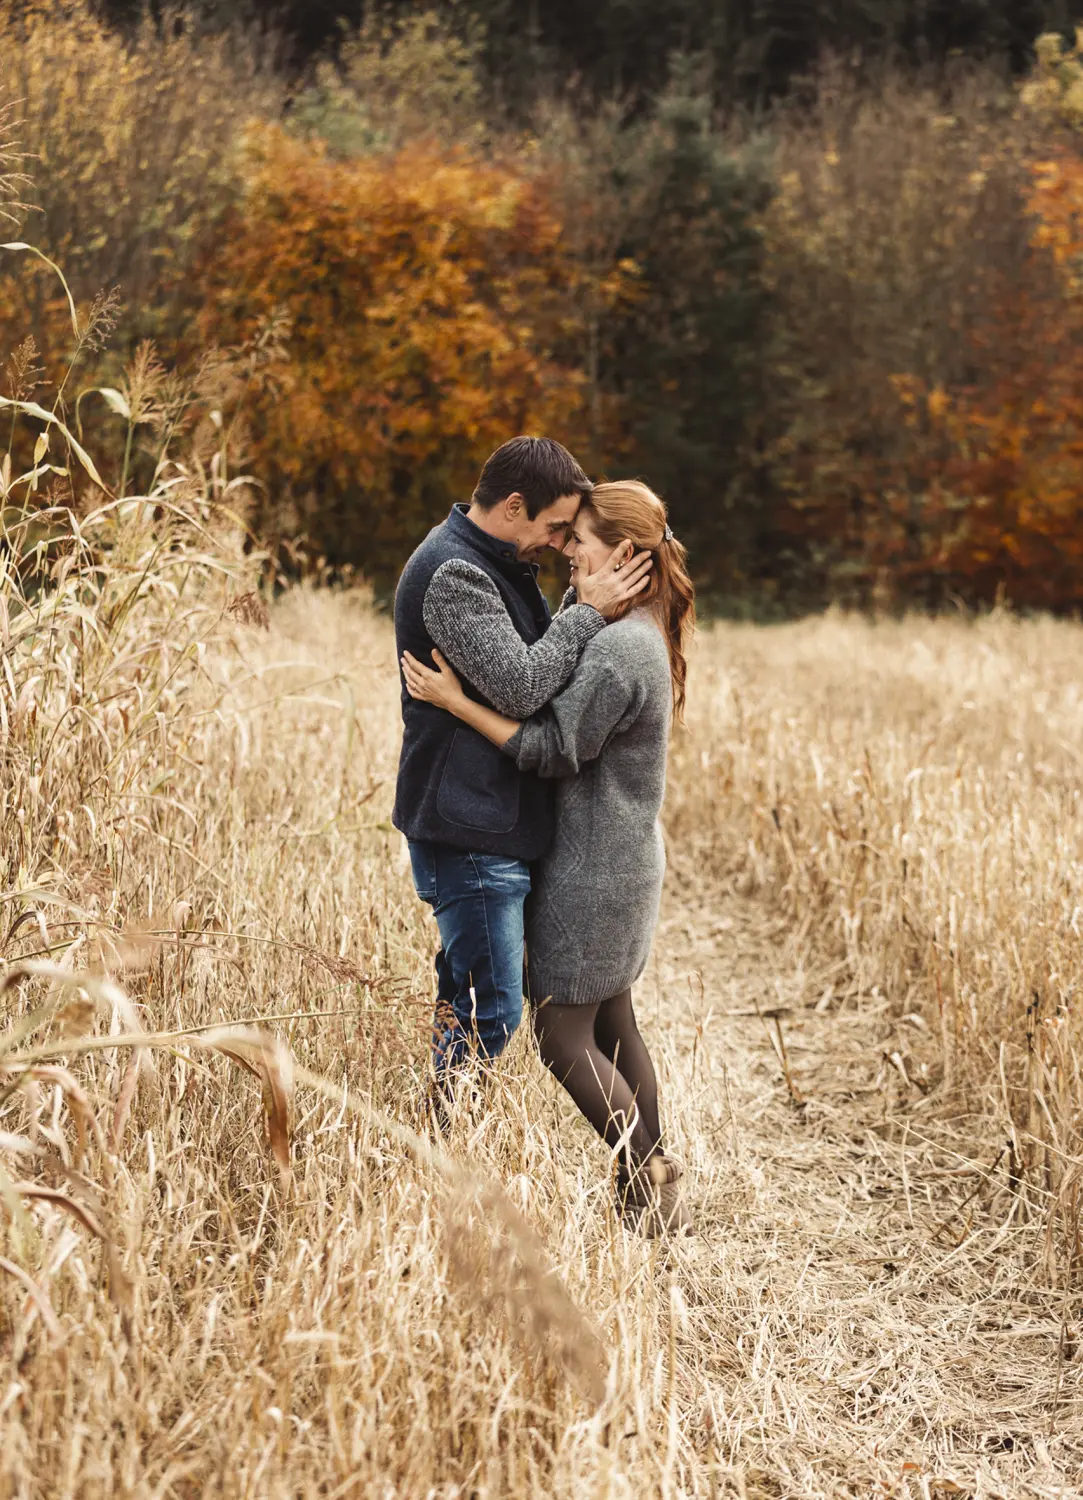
[676, 601]
[628, 510]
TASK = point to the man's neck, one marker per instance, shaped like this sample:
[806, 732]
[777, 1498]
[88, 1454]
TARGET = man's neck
[485, 520]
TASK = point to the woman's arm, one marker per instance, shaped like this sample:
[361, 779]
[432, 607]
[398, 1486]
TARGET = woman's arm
[600, 699]
[443, 689]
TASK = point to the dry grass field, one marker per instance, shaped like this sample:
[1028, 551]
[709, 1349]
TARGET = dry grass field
[231, 1267]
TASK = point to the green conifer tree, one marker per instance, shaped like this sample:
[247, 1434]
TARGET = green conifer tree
[684, 356]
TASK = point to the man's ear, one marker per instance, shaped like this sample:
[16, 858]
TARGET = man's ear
[514, 506]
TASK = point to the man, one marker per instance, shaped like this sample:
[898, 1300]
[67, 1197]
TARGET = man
[472, 819]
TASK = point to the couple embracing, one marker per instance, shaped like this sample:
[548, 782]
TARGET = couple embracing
[531, 779]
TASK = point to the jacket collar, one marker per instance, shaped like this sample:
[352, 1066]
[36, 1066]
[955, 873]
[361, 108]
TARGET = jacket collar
[460, 524]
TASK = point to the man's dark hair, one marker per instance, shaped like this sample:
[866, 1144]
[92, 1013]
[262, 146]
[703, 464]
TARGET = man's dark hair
[539, 469]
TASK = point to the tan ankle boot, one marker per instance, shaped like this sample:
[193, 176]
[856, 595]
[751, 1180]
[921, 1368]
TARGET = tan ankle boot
[650, 1197]
[667, 1214]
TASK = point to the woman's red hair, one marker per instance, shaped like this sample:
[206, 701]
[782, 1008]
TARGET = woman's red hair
[629, 510]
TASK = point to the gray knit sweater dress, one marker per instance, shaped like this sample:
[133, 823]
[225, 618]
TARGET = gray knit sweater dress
[591, 914]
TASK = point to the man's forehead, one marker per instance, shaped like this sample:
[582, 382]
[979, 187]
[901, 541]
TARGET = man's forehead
[563, 510]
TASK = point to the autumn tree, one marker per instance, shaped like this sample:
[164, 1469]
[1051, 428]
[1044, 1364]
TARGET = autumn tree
[898, 222]
[1003, 505]
[427, 297]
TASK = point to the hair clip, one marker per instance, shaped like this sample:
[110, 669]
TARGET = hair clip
[667, 535]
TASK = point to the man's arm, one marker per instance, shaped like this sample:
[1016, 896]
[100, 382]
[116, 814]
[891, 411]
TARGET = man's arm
[573, 728]
[576, 725]
[466, 617]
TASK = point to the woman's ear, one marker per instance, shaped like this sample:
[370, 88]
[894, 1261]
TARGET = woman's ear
[627, 552]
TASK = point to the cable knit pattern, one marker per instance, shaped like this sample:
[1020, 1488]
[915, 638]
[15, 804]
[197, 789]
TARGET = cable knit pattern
[594, 905]
[468, 620]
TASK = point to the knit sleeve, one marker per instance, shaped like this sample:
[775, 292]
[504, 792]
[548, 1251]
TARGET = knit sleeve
[466, 617]
[574, 728]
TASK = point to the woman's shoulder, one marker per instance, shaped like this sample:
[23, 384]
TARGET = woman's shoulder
[634, 643]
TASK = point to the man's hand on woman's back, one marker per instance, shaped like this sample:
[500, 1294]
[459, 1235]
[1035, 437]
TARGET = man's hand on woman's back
[615, 582]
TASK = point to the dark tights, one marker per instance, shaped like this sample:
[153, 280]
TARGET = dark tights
[597, 1053]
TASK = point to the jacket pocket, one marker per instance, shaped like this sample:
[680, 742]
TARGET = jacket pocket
[480, 785]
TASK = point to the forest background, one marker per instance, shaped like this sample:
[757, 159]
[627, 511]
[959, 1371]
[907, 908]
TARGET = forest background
[815, 271]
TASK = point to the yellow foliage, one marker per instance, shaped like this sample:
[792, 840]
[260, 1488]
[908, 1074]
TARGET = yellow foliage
[428, 297]
[132, 145]
[1056, 90]
[397, 79]
[937, 401]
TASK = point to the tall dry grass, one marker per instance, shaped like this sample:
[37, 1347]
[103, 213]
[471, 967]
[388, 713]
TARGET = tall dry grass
[256, 881]
[909, 794]
[385, 1323]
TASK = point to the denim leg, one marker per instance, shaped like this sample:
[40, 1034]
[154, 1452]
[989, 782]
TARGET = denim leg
[444, 1020]
[478, 903]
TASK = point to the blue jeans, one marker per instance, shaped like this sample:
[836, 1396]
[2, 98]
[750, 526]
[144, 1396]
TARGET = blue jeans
[478, 903]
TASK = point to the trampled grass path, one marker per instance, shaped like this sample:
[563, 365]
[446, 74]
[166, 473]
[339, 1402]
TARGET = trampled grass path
[866, 1311]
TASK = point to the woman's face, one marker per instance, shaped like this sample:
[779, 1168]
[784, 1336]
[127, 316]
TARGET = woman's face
[586, 550]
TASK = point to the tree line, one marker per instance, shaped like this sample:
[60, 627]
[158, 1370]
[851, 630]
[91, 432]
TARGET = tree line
[841, 333]
[756, 48]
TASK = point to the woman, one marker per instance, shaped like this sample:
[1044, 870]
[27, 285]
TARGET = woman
[593, 908]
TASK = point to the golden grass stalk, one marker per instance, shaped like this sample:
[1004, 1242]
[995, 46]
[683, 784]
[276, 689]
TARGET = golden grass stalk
[517, 1279]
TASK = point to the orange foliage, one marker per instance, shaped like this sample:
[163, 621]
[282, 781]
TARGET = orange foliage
[1003, 466]
[428, 300]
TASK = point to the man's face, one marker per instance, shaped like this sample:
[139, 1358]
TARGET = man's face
[549, 528]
